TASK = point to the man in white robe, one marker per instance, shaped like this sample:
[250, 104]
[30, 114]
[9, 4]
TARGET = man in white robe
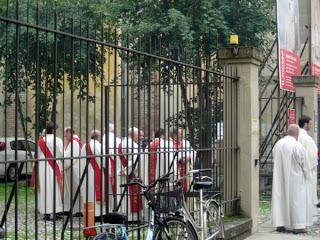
[289, 190]
[186, 156]
[50, 180]
[157, 163]
[109, 145]
[128, 151]
[95, 191]
[71, 171]
[305, 124]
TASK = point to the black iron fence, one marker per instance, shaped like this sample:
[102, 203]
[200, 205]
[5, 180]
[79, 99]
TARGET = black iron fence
[83, 113]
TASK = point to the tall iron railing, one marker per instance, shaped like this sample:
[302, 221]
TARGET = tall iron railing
[71, 73]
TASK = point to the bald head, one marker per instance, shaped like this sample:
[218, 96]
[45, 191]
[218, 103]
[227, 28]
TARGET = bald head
[111, 127]
[96, 135]
[133, 133]
[293, 131]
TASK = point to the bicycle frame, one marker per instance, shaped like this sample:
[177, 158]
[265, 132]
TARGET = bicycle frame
[121, 229]
[201, 229]
[150, 226]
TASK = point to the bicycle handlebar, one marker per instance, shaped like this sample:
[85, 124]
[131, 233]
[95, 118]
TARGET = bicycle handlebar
[194, 171]
[164, 178]
[199, 171]
[136, 181]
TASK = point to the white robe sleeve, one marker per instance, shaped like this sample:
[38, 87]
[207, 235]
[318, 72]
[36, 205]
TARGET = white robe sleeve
[190, 153]
[67, 161]
[59, 151]
[76, 151]
[173, 157]
[312, 152]
[299, 155]
[310, 147]
[133, 158]
[59, 144]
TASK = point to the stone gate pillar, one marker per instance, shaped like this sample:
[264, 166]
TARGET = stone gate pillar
[307, 89]
[247, 63]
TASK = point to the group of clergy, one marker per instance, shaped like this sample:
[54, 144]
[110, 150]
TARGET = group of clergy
[72, 175]
[294, 188]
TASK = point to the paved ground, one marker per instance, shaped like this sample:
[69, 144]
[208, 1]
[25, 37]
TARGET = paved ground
[26, 222]
[274, 236]
[267, 232]
[26, 218]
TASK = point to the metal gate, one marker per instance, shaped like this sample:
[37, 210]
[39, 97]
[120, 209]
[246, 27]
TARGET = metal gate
[277, 109]
[276, 113]
[61, 76]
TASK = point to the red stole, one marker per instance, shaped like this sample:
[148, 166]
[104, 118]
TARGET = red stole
[135, 200]
[153, 160]
[74, 138]
[97, 173]
[182, 166]
[112, 165]
[47, 153]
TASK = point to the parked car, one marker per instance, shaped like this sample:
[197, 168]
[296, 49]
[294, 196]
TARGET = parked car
[318, 164]
[7, 153]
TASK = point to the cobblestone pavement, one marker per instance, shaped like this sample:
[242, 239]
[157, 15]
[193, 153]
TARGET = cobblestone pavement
[266, 231]
[26, 225]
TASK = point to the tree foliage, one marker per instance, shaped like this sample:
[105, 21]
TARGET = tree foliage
[193, 27]
[192, 31]
[51, 58]
[186, 30]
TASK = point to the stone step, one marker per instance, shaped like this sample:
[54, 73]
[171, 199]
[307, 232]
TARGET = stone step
[238, 229]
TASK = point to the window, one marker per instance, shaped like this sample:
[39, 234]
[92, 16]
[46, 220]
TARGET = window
[32, 146]
[22, 145]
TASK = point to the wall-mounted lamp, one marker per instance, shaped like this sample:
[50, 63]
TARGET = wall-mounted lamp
[234, 42]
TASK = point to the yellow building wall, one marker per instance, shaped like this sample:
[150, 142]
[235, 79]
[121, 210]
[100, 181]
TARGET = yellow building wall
[111, 69]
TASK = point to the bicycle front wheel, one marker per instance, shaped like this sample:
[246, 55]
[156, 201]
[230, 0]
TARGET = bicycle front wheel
[214, 221]
[175, 228]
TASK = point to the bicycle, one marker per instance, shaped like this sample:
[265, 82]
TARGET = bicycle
[211, 211]
[158, 227]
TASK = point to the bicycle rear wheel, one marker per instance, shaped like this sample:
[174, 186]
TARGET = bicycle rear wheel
[214, 221]
[174, 228]
[105, 236]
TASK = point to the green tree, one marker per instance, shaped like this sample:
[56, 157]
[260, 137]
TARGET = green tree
[191, 27]
[47, 56]
[192, 31]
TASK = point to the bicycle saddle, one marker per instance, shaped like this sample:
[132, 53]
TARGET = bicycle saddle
[114, 218]
[202, 185]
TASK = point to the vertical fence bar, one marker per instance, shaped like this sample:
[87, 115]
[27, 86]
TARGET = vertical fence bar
[36, 166]
[16, 122]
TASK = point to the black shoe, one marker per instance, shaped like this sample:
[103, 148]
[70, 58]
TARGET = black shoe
[77, 215]
[59, 216]
[281, 229]
[318, 205]
[299, 231]
[66, 213]
[46, 217]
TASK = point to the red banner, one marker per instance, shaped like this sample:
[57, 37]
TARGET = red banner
[315, 70]
[315, 39]
[289, 66]
[291, 116]
[288, 26]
